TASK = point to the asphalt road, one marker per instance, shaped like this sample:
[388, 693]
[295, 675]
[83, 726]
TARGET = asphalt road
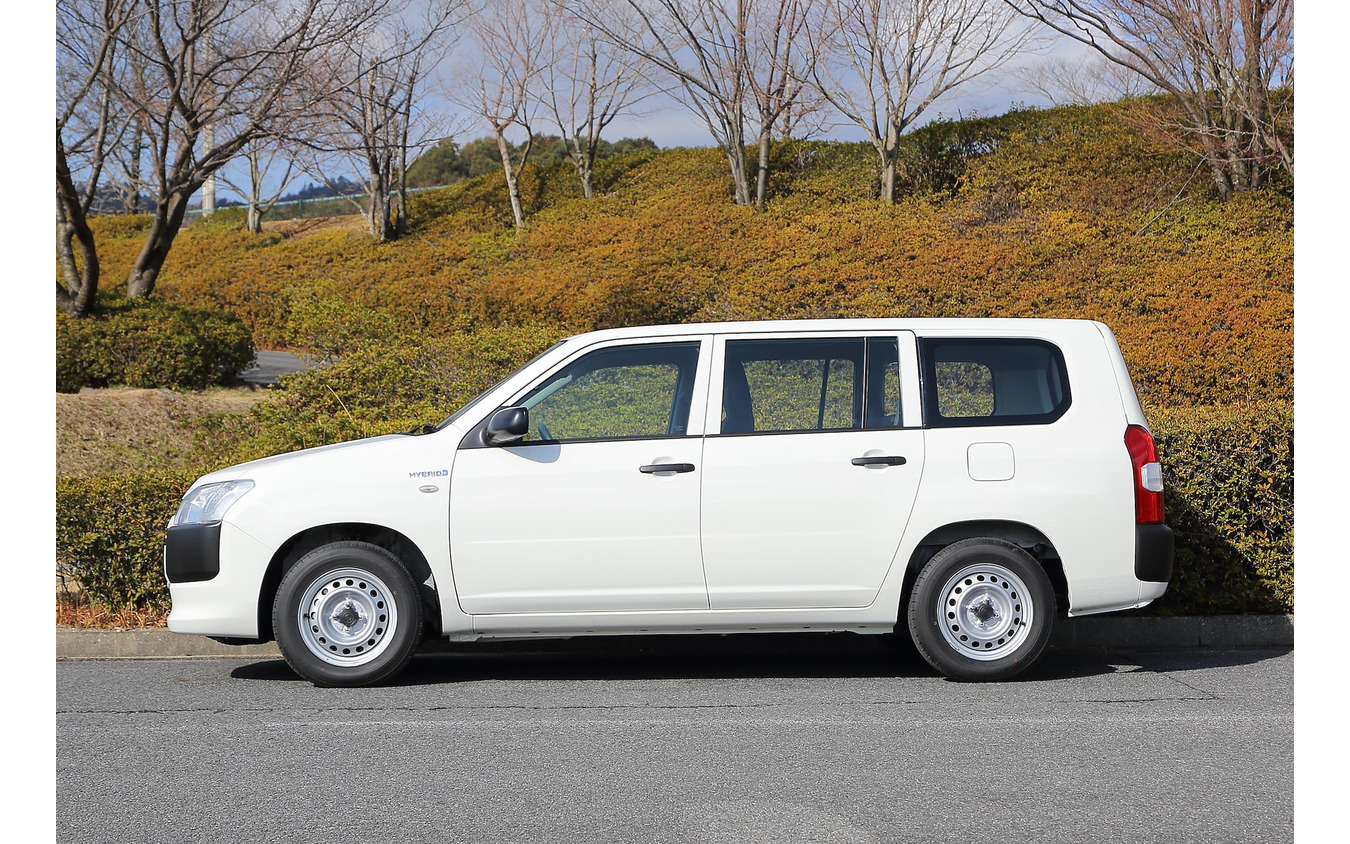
[268, 367]
[740, 739]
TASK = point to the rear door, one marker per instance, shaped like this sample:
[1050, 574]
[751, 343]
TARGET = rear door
[810, 476]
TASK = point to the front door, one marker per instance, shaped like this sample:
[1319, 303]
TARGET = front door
[597, 509]
[809, 483]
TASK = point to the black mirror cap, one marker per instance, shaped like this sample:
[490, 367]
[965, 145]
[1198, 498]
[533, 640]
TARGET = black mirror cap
[508, 425]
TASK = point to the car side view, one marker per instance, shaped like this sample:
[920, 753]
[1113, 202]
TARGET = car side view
[965, 480]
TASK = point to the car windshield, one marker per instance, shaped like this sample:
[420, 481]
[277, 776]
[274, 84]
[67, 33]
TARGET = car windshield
[478, 398]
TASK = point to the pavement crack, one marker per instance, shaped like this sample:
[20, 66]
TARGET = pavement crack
[1207, 695]
[1161, 699]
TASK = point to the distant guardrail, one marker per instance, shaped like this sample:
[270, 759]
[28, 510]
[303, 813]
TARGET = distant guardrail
[299, 209]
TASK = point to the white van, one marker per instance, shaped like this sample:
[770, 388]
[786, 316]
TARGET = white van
[964, 478]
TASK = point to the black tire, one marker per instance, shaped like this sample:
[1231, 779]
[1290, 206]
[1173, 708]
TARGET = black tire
[362, 617]
[982, 609]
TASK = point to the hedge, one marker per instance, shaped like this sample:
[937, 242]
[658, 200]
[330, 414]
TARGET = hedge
[148, 343]
[1228, 471]
[1229, 480]
[110, 535]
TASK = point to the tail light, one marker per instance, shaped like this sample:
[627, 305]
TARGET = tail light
[1148, 483]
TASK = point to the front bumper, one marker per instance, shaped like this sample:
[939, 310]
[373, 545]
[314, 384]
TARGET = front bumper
[192, 553]
[215, 575]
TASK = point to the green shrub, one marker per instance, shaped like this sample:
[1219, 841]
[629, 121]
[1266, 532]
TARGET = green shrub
[376, 388]
[110, 535]
[1229, 479]
[148, 343]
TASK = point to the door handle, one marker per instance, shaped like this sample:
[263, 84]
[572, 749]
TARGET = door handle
[661, 468]
[881, 461]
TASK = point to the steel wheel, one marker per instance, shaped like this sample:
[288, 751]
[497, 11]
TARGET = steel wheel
[346, 617]
[347, 614]
[987, 611]
[981, 609]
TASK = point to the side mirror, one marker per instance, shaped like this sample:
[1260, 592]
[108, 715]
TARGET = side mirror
[506, 426]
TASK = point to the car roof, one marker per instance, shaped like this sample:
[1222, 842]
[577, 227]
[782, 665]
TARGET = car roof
[919, 326]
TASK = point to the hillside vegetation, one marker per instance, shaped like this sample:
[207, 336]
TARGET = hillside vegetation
[1071, 212]
[1055, 219]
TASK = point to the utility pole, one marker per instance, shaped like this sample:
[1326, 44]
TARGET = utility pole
[209, 186]
[208, 143]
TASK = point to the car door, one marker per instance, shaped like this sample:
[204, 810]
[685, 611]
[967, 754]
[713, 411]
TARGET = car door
[597, 509]
[810, 479]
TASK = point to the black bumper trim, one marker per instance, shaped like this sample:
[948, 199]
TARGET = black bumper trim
[192, 553]
[1154, 550]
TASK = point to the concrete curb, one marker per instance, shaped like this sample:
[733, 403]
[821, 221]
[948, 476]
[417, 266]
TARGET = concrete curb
[1092, 632]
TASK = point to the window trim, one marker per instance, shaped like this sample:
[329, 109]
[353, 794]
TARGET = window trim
[928, 386]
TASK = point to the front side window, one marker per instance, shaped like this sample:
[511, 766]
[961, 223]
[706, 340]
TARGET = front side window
[810, 385]
[993, 382]
[614, 393]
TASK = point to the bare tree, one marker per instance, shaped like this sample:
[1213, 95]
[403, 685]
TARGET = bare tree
[1219, 61]
[885, 62]
[514, 41]
[261, 156]
[87, 33]
[730, 59]
[1081, 80]
[378, 113]
[589, 84]
[258, 50]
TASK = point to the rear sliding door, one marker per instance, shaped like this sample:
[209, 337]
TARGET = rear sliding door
[810, 477]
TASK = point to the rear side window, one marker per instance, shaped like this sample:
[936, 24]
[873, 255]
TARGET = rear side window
[993, 382]
[777, 386]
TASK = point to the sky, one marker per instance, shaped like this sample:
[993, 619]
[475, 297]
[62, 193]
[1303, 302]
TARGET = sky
[669, 123]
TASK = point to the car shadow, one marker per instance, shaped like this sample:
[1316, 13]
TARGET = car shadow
[742, 656]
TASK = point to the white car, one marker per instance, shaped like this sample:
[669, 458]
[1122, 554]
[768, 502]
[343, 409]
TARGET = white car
[964, 478]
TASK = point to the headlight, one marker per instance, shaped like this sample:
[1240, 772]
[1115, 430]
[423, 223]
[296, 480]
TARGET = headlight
[208, 502]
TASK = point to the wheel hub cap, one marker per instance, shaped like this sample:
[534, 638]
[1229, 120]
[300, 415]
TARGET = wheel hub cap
[985, 611]
[346, 617]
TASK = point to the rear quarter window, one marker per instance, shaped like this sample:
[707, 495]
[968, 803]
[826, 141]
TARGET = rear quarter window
[993, 382]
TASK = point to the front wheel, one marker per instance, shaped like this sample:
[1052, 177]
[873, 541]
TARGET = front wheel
[347, 614]
[982, 609]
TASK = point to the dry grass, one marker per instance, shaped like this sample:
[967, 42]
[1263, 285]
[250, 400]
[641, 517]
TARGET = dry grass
[125, 430]
[314, 225]
[72, 610]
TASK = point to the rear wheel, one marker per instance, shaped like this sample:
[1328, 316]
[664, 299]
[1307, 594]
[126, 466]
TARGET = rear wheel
[982, 609]
[347, 614]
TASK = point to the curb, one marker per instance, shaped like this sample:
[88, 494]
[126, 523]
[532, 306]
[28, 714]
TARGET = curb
[1091, 632]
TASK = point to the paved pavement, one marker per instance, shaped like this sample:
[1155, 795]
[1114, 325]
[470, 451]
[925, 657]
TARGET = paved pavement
[666, 739]
[268, 367]
[1104, 631]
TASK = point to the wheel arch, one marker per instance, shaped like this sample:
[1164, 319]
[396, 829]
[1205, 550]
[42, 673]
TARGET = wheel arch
[1023, 535]
[311, 538]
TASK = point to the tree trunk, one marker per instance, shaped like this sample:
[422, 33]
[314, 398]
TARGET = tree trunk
[740, 179]
[512, 182]
[168, 220]
[254, 223]
[890, 153]
[762, 179]
[77, 298]
[379, 208]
